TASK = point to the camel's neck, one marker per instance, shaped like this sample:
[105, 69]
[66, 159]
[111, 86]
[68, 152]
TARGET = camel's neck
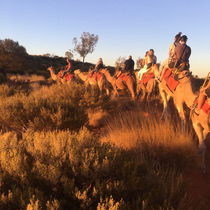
[189, 93]
[155, 72]
[108, 76]
[53, 75]
[82, 76]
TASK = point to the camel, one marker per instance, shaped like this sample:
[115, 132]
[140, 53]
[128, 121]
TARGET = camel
[130, 83]
[102, 82]
[180, 95]
[148, 90]
[186, 93]
[64, 80]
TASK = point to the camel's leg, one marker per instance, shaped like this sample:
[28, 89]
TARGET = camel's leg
[144, 95]
[86, 84]
[138, 89]
[106, 87]
[116, 94]
[182, 116]
[133, 92]
[149, 96]
[100, 85]
[202, 146]
[165, 98]
[179, 102]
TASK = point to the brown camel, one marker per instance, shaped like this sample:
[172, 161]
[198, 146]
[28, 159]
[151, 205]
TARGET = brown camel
[185, 93]
[65, 80]
[148, 90]
[130, 83]
[102, 82]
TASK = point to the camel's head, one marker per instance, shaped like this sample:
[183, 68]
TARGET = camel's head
[155, 68]
[104, 71]
[91, 68]
[77, 71]
[50, 68]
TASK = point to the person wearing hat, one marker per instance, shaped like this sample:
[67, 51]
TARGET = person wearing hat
[98, 66]
[182, 54]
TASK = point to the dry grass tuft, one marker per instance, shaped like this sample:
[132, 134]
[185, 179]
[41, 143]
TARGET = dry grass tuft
[97, 118]
[26, 78]
[146, 135]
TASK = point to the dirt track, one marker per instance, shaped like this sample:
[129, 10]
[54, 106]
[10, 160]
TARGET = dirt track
[200, 183]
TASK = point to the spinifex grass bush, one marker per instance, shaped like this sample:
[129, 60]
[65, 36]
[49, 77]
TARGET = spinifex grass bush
[73, 170]
[26, 78]
[49, 108]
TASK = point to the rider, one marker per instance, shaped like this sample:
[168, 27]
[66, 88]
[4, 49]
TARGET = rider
[144, 64]
[68, 68]
[182, 53]
[172, 47]
[204, 93]
[98, 66]
[171, 57]
[150, 60]
[128, 65]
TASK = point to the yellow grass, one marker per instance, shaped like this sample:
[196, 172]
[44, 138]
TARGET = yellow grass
[150, 136]
[97, 118]
[26, 78]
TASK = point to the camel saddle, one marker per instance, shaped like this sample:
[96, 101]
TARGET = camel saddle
[146, 78]
[170, 81]
[205, 107]
[124, 76]
[96, 75]
[68, 76]
[60, 73]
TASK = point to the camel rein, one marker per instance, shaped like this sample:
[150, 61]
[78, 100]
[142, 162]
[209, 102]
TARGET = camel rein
[186, 75]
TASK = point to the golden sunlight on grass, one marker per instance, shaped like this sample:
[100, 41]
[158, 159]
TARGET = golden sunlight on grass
[146, 135]
[97, 118]
[26, 78]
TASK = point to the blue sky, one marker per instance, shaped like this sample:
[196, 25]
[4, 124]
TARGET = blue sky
[124, 27]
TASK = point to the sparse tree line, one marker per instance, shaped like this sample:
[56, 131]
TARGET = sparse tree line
[15, 59]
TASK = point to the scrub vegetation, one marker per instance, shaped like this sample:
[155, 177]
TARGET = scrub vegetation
[58, 163]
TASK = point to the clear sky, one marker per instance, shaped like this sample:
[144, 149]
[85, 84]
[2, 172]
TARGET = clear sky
[124, 27]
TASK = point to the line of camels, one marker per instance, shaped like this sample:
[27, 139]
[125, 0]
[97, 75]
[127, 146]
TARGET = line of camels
[185, 93]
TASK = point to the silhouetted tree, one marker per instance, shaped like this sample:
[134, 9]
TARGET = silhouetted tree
[69, 54]
[139, 64]
[86, 46]
[119, 62]
[12, 56]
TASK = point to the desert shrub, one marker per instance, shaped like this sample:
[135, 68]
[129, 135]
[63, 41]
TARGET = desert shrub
[49, 108]
[26, 78]
[6, 91]
[73, 170]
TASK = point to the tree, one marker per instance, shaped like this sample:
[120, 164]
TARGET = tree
[69, 54]
[119, 62]
[139, 63]
[12, 56]
[86, 46]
